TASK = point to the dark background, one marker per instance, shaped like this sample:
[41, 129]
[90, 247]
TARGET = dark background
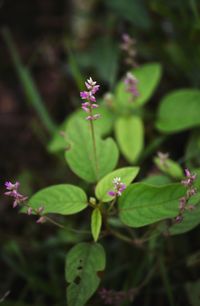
[53, 39]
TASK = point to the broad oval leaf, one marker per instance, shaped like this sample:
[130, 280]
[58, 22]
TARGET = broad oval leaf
[129, 133]
[81, 158]
[126, 174]
[143, 204]
[96, 222]
[61, 199]
[83, 263]
[169, 167]
[103, 126]
[148, 77]
[179, 110]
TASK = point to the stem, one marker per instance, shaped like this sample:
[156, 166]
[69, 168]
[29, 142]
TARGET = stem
[94, 144]
[136, 242]
[166, 281]
[112, 204]
[50, 220]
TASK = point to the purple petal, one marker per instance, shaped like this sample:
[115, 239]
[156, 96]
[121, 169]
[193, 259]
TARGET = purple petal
[111, 193]
[84, 94]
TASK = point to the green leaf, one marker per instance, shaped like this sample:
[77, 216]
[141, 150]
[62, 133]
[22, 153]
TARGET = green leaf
[169, 167]
[157, 180]
[148, 77]
[191, 219]
[61, 199]
[103, 126]
[179, 110]
[127, 175]
[129, 133]
[59, 140]
[83, 263]
[134, 11]
[142, 204]
[96, 222]
[81, 158]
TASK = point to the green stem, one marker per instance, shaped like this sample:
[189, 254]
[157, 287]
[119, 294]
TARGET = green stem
[50, 220]
[166, 281]
[94, 144]
[112, 204]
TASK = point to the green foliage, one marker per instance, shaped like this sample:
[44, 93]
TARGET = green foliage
[179, 110]
[61, 199]
[96, 222]
[81, 156]
[103, 127]
[148, 77]
[190, 221]
[169, 167]
[142, 204]
[133, 11]
[129, 133]
[157, 180]
[83, 263]
[192, 152]
[126, 174]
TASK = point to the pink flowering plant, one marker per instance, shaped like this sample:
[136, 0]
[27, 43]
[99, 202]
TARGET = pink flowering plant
[165, 203]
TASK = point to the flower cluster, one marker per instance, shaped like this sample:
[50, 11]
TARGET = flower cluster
[131, 84]
[119, 187]
[89, 96]
[128, 46]
[188, 182]
[12, 191]
[116, 298]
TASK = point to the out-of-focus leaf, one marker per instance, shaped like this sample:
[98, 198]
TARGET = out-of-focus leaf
[179, 110]
[148, 77]
[157, 180]
[129, 133]
[133, 11]
[169, 167]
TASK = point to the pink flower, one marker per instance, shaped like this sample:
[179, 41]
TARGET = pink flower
[41, 220]
[14, 193]
[131, 84]
[119, 187]
[89, 96]
[190, 178]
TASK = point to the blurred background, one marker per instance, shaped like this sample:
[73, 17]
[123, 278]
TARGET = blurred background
[47, 49]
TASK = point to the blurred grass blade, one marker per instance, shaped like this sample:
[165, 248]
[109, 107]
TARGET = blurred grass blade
[74, 67]
[166, 281]
[29, 87]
